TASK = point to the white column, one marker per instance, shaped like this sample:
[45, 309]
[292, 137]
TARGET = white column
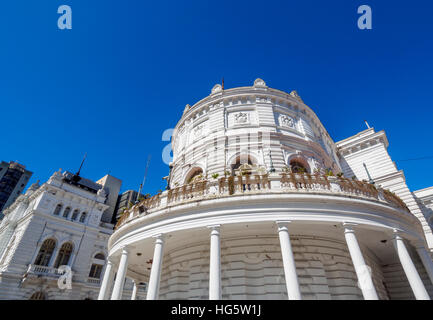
[120, 277]
[426, 261]
[365, 282]
[134, 290]
[155, 272]
[409, 269]
[291, 277]
[107, 281]
[215, 264]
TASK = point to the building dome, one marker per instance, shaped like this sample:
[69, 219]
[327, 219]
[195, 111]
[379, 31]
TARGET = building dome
[258, 209]
[266, 127]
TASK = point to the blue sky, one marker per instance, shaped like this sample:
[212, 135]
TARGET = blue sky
[126, 70]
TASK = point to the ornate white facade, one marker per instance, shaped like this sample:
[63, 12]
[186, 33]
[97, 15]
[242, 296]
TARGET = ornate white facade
[256, 210]
[55, 225]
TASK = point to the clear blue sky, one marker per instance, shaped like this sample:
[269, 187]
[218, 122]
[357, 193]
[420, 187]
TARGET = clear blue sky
[126, 70]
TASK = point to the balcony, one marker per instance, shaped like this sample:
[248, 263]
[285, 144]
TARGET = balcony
[261, 184]
[44, 271]
[94, 281]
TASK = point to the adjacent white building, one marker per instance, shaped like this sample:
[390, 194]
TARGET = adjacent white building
[258, 208]
[63, 222]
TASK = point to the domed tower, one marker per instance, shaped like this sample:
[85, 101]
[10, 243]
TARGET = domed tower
[258, 209]
[266, 129]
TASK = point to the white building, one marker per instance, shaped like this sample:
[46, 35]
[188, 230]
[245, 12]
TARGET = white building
[256, 211]
[60, 223]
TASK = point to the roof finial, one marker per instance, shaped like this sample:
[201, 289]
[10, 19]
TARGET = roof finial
[223, 84]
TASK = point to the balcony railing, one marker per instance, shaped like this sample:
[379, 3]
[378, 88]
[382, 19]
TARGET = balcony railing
[261, 184]
[93, 280]
[42, 270]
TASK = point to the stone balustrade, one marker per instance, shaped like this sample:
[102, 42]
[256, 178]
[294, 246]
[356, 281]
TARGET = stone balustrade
[261, 184]
[43, 270]
[94, 281]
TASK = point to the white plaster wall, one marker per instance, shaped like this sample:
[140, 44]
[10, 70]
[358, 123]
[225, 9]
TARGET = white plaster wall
[252, 269]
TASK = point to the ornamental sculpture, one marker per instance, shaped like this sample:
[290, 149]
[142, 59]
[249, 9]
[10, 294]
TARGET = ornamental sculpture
[241, 117]
[286, 121]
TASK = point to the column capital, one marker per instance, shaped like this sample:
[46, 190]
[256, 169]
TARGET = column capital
[159, 236]
[349, 226]
[283, 224]
[125, 249]
[214, 226]
[397, 234]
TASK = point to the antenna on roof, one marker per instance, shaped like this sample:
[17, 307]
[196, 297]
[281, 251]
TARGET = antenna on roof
[144, 178]
[76, 176]
[370, 180]
[366, 123]
[81, 165]
[222, 84]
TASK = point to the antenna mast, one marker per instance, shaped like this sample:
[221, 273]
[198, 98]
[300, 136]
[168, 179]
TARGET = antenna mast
[76, 176]
[366, 123]
[144, 178]
[81, 165]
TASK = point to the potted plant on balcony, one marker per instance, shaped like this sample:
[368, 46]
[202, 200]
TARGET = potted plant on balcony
[286, 169]
[329, 173]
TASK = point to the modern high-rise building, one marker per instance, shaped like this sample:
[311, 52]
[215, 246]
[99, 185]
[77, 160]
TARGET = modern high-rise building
[13, 179]
[112, 185]
[125, 200]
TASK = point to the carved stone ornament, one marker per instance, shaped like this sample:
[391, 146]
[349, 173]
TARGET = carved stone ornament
[295, 94]
[102, 193]
[198, 131]
[241, 117]
[56, 176]
[217, 88]
[286, 121]
[187, 107]
[259, 83]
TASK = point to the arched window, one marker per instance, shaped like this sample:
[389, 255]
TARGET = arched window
[243, 163]
[194, 175]
[99, 256]
[298, 166]
[95, 271]
[97, 266]
[45, 252]
[39, 295]
[83, 217]
[75, 215]
[66, 212]
[64, 255]
[58, 209]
